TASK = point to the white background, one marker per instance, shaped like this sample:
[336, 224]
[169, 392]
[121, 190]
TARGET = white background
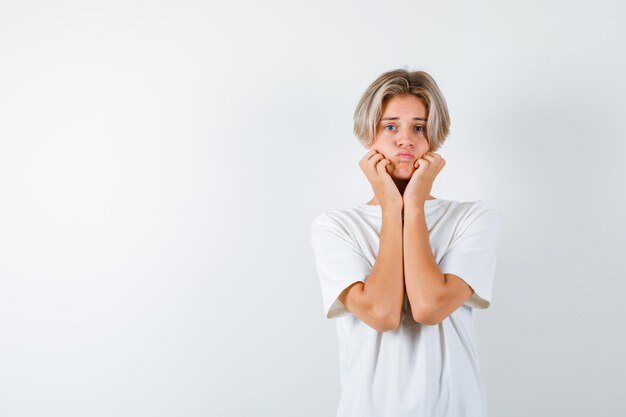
[161, 163]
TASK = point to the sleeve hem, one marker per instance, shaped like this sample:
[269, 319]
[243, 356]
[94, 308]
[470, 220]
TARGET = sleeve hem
[479, 299]
[336, 308]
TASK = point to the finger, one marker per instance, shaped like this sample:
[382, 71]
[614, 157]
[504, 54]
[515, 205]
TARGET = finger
[442, 163]
[370, 160]
[435, 161]
[369, 166]
[368, 154]
[433, 154]
[438, 157]
[381, 167]
[376, 153]
[423, 163]
[374, 159]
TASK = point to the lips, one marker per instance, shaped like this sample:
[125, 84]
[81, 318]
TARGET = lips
[405, 155]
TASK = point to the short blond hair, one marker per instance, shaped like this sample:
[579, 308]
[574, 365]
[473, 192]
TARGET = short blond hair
[402, 82]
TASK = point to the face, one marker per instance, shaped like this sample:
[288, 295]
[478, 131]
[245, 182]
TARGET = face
[401, 134]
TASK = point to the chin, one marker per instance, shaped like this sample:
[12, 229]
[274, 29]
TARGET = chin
[403, 173]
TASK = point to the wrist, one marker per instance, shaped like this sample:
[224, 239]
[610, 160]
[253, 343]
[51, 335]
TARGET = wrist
[413, 211]
[414, 205]
[391, 210]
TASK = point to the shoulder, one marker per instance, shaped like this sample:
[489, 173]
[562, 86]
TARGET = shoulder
[473, 209]
[340, 219]
[480, 214]
[484, 210]
[336, 231]
[472, 213]
[327, 219]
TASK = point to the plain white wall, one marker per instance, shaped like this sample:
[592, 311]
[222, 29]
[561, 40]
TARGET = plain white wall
[161, 163]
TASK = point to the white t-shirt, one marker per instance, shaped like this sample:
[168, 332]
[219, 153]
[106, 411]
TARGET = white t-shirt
[414, 370]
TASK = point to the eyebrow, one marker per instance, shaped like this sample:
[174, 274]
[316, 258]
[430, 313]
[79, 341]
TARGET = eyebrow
[396, 118]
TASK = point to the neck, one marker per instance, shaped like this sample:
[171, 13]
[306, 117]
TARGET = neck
[401, 184]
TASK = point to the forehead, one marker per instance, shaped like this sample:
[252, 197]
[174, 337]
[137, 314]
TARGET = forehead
[405, 106]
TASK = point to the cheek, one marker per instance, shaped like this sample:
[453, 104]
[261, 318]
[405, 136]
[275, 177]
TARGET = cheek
[381, 149]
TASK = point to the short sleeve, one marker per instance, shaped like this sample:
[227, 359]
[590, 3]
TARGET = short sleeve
[472, 254]
[339, 262]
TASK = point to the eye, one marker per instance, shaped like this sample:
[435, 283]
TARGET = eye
[387, 127]
[420, 128]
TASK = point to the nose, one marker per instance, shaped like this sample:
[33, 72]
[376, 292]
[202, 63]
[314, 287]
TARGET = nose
[404, 139]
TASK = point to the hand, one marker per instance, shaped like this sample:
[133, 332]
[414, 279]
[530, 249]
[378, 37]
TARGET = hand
[374, 165]
[421, 182]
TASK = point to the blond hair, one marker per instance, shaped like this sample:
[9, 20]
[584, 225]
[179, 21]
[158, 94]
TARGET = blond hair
[402, 82]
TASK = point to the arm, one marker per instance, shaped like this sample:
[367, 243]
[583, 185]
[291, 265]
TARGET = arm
[378, 301]
[433, 295]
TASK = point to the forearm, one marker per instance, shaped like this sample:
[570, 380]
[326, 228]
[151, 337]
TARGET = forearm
[384, 287]
[425, 284]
